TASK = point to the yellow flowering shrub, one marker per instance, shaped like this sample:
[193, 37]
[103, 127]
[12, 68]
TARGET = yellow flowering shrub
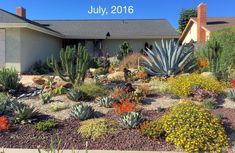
[193, 128]
[182, 84]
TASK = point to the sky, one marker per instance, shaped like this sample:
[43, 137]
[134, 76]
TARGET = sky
[143, 9]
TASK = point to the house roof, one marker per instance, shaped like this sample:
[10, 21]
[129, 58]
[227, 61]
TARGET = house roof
[123, 29]
[213, 24]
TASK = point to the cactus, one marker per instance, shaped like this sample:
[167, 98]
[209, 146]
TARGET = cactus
[77, 95]
[168, 59]
[231, 95]
[74, 64]
[130, 119]
[124, 50]
[82, 112]
[106, 102]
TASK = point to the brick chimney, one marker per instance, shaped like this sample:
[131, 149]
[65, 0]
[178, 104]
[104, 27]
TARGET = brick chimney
[20, 11]
[201, 21]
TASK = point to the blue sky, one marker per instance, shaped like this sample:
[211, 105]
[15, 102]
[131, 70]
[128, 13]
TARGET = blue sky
[143, 9]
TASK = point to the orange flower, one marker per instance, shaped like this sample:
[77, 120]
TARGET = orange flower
[141, 74]
[4, 123]
[203, 63]
[232, 83]
[124, 107]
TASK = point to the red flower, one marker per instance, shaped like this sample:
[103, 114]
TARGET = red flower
[124, 107]
[4, 123]
[232, 83]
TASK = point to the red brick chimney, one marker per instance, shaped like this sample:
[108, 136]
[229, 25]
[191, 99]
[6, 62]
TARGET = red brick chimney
[201, 21]
[20, 11]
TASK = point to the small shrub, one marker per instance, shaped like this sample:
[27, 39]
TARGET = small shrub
[231, 95]
[193, 128]
[97, 128]
[82, 112]
[130, 61]
[77, 95]
[182, 84]
[93, 89]
[4, 123]
[210, 103]
[38, 68]
[9, 79]
[46, 97]
[145, 89]
[46, 125]
[56, 107]
[120, 94]
[60, 90]
[106, 102]
[124, 107]
[130, 119]
[152, 129]
[22, 112]
[100, 71]
[159, 86]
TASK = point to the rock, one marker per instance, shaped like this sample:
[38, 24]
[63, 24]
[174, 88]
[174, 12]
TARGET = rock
[21, 96]
[116, 75]
[35, 93]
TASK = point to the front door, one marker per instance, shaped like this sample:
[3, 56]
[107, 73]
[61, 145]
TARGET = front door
[2, 47]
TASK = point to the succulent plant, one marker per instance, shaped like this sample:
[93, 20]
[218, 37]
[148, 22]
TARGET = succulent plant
[130, 119]
[168, 59]
[106, 102]
[22, 112]
[82, 112]
[46, 97]
[3, 103]
[77, 95]
[231, 95]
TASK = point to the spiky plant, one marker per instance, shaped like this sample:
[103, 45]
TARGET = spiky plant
[169, 58]
[74, 64]
[106, 102]
[4, 99]
[231, 95]
[82, 112]
[130, 119]
[77, 95]
[46, 97]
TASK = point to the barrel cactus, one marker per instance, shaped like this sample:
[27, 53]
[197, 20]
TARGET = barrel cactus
[106, 102]
[130, 119]
[169, 58]
[82, 112]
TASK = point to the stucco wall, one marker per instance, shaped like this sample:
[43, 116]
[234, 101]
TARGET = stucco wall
[13, 47]
[192, 34]
[37, 46]
[112, 46]
[2, 47]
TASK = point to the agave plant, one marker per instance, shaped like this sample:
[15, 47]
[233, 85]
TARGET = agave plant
[130, 119]
[82, 112]
[106, 102]
[22, 112]
[231, 95]
[77, 95]
[4, 100]
[168, 59]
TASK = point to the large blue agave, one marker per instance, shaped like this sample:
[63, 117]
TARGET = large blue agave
[169, 58]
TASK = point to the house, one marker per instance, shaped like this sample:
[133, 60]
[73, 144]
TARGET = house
[199, 29]
[23, 41]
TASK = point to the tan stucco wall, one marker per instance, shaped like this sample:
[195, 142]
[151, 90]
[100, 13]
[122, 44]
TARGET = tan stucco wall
[112, 46]
[191, 35]
[37, 46]
[13, 47]
[2, 47]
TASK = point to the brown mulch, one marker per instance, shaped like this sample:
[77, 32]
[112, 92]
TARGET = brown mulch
[26, 136]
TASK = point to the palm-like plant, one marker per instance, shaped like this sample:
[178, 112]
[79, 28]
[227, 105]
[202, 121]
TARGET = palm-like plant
[169, 58]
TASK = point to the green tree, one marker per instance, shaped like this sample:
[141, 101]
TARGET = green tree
[185, 15]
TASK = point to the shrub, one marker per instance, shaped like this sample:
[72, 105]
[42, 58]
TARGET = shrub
[97, 128]
[181, 85]
[152, 129]
[159, 86]
[60, 90]
[210, 103]
[46, 125]
[9, 79]
[124, 107]
[93, 89]
[4, 123]
[100, 71]
[3, 103]
[120, 94]
[145, 89]
[38, 68]
[82, 112]
[191, 127]
[46, 97]
[231, 95]
[56, 107]
[130, 61]
[130, 119]
[124, 50]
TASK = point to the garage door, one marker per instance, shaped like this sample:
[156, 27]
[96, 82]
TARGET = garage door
[2, 47]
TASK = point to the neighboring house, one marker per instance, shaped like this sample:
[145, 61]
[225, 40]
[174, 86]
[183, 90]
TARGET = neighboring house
[199, 29]
[23, 41]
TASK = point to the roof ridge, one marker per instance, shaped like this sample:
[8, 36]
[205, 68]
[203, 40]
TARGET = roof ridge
[99, 19]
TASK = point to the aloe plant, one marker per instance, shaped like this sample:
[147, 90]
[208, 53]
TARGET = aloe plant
[169, 58]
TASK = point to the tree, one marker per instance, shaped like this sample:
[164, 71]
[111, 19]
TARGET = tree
[185, 15]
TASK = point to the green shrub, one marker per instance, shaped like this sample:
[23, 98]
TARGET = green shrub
[152, 129]
[124, 50]
[46, 97]
[210, 103]
[159, 86]
[82, 112]
[100, 71]
[97, 128]
[46, 125]
[60, 90]
[182, 84]
[93, 89]
[9, 79]
[193, 128]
